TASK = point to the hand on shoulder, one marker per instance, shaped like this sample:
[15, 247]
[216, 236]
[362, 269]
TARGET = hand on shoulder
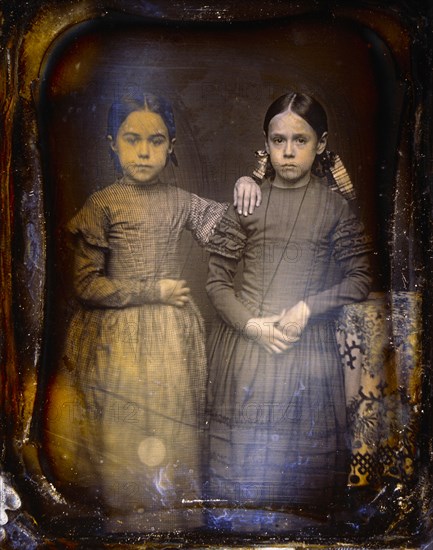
[247, 195]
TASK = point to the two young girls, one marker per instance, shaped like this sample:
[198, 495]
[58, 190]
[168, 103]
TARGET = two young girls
[134, 352]
[277, 426]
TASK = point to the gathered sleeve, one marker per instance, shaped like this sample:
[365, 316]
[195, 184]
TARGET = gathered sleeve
[227, 246]
[203, 217]
[351, 248]
[90, 229]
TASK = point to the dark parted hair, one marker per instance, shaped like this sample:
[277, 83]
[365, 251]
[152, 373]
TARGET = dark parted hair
[312, 112]
[133, 100]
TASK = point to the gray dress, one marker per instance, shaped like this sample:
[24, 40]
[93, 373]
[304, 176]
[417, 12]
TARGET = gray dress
[277, 424]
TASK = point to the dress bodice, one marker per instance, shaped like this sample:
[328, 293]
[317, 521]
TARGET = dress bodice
[139, 227]
[289, 247]
[301, 244]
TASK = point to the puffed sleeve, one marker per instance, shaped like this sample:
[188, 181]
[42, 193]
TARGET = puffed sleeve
[92, 286]
[227, 246]
[203, 216]
[351, 248]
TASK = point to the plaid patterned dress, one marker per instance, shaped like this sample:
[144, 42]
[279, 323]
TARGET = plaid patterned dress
[277, 426]
[138, 365]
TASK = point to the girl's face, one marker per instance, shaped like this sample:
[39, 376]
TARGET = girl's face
[292, 145]
[142, 145]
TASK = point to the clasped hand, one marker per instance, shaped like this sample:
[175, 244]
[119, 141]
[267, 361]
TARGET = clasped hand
[278, 333]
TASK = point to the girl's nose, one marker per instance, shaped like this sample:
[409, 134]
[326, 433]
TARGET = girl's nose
[290, 149]
[143, 149]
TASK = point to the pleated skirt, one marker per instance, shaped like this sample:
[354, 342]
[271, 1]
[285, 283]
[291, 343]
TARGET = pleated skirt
[276, 425]
[139, 375]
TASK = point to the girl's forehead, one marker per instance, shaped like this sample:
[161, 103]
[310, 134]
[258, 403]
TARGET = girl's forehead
[289, 122]
[144, 122]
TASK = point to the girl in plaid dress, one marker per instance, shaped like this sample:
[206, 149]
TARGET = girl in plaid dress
[134, 352]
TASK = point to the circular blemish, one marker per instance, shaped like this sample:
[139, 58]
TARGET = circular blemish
[151, 451]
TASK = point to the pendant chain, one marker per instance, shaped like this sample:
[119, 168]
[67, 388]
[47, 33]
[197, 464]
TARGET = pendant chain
[265, 292]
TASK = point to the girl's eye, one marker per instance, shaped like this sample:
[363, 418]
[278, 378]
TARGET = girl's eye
[132, 140]
[157, 141]
[302, 141]
[278, 140]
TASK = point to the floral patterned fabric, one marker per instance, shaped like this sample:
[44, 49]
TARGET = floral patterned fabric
[380, 346]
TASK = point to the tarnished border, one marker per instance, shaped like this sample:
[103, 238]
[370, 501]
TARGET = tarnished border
[29, 30]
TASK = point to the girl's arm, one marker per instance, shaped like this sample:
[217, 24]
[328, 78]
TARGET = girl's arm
[205, 214]
[351, 249]
[227, 246]
[261, 330]
[354, 287]
[95, 289]
[90, 228]
[220, 289]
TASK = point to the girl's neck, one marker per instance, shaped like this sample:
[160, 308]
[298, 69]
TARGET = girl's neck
[284, 184]
[127, 180]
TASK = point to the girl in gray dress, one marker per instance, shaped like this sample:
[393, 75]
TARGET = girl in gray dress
[277, 426]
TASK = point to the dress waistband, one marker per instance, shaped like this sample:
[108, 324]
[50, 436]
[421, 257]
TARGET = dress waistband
[330, 316]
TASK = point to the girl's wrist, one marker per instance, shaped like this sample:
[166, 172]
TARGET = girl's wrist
[150, 291]
[306, 309]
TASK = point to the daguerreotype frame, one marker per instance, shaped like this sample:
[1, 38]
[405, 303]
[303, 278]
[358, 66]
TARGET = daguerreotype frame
[221, 64]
